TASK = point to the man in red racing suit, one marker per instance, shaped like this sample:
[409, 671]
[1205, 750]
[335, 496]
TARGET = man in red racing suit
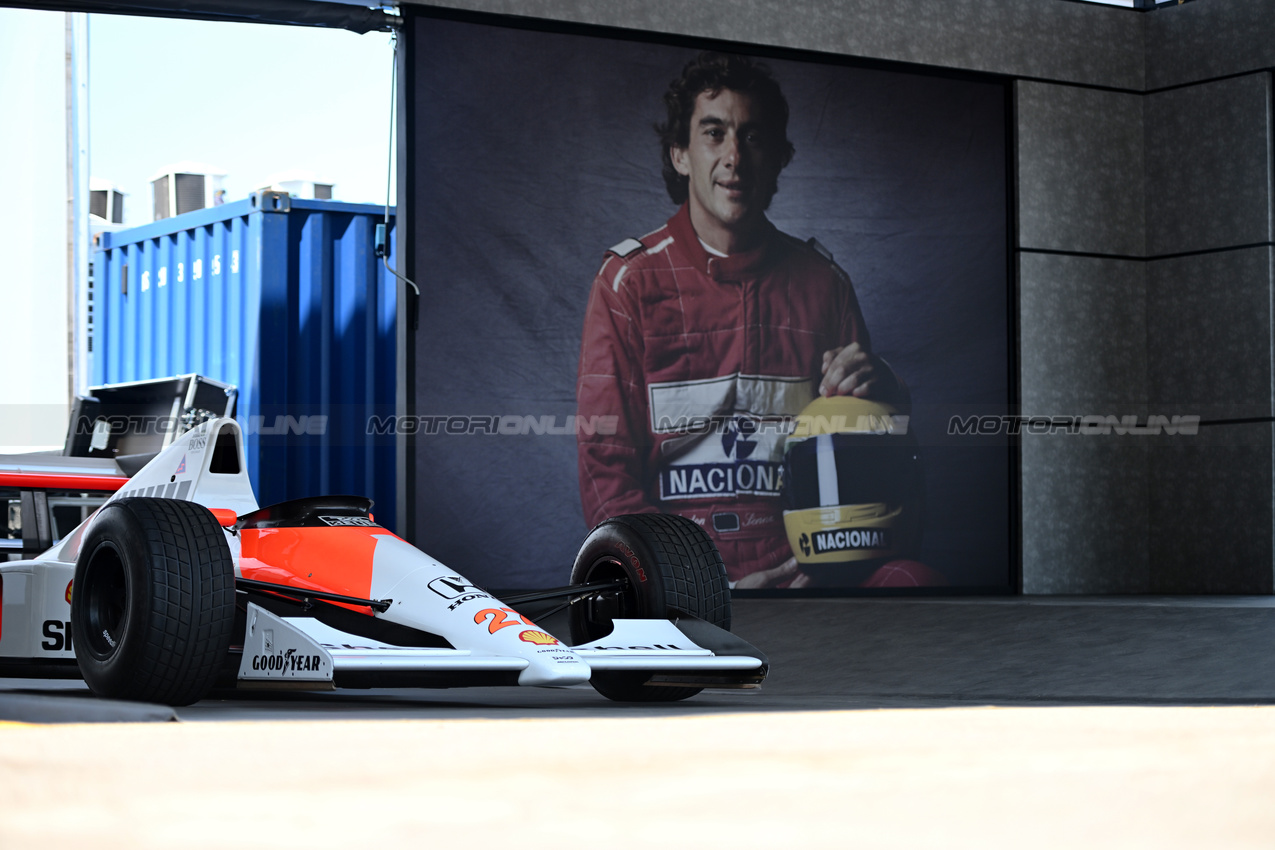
[704, 338]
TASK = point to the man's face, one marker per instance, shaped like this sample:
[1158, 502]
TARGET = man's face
[731, 168]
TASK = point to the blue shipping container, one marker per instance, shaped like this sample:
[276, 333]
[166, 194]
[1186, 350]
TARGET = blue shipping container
[282, 297]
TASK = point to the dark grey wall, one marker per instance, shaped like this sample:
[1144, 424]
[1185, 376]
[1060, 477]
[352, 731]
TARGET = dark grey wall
[1207, 40]
[1144, 255]
[1145, 279]
[1048, 39]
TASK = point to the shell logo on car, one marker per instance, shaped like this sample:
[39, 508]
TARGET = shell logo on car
[538, 638]
[68, 592]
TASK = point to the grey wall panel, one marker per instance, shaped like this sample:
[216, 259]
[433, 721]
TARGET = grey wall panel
[1210, 511]
[1083, 331]
[1085, 514]
[1209, 334]
[1053, 40]
[1206, 40]
[1080, 170]
[1208, 165]
[1083, 353]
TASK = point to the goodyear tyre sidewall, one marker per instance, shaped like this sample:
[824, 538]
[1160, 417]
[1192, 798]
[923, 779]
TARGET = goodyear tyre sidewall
[613, 548]
[115, 537]
[616, 542]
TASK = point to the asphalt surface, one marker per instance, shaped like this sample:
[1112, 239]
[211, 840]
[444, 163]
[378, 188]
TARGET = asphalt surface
[1042, 722]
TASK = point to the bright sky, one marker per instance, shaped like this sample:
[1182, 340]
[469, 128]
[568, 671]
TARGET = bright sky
[249, 99]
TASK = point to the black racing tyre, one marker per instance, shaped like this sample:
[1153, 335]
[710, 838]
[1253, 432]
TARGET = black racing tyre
[669, 566]
[153, 601]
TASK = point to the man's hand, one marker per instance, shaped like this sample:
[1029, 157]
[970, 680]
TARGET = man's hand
[775, 577]
[850, 370]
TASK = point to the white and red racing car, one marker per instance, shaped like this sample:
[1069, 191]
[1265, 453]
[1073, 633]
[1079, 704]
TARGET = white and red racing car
[180, 583]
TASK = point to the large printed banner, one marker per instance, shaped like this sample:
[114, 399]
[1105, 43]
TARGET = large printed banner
[754, 291]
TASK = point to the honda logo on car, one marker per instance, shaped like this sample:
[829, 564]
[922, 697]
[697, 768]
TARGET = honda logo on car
[449, 587]
[468, 597]
[288, 662]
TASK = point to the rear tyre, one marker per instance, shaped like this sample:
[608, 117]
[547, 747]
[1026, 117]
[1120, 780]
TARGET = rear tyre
[153, 601]
[669, 566]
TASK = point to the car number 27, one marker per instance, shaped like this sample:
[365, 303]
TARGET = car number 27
[500, 619]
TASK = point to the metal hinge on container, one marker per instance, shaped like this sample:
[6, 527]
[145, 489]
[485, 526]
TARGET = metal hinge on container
[271, 201]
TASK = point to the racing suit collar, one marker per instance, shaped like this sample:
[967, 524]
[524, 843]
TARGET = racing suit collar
[733, 267]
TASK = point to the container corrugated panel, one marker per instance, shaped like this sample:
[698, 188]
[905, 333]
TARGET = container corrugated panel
[282, 297]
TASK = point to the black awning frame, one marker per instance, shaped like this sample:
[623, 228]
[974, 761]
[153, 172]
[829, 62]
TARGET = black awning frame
[305, 13]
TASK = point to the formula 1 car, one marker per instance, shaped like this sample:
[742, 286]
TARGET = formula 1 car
[180, 583]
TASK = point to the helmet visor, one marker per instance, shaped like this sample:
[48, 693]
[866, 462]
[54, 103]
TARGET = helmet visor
[850, 469]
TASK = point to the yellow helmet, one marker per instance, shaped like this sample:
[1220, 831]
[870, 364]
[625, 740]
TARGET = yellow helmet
[853, 487]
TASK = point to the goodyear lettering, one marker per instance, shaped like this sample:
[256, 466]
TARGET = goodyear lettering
[288, 662]
[847, 540]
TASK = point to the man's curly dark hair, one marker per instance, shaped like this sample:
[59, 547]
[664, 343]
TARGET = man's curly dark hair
[711, 72]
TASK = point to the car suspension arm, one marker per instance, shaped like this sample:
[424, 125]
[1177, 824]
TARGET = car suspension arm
[306, 595]
[575, 590]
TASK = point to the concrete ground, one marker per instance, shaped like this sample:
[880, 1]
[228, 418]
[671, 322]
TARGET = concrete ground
[1114, 722]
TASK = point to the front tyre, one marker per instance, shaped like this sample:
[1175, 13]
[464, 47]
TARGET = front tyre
[668, 566]
[153, 601]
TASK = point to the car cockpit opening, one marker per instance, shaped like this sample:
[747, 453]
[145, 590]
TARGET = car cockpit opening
[225, 458]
